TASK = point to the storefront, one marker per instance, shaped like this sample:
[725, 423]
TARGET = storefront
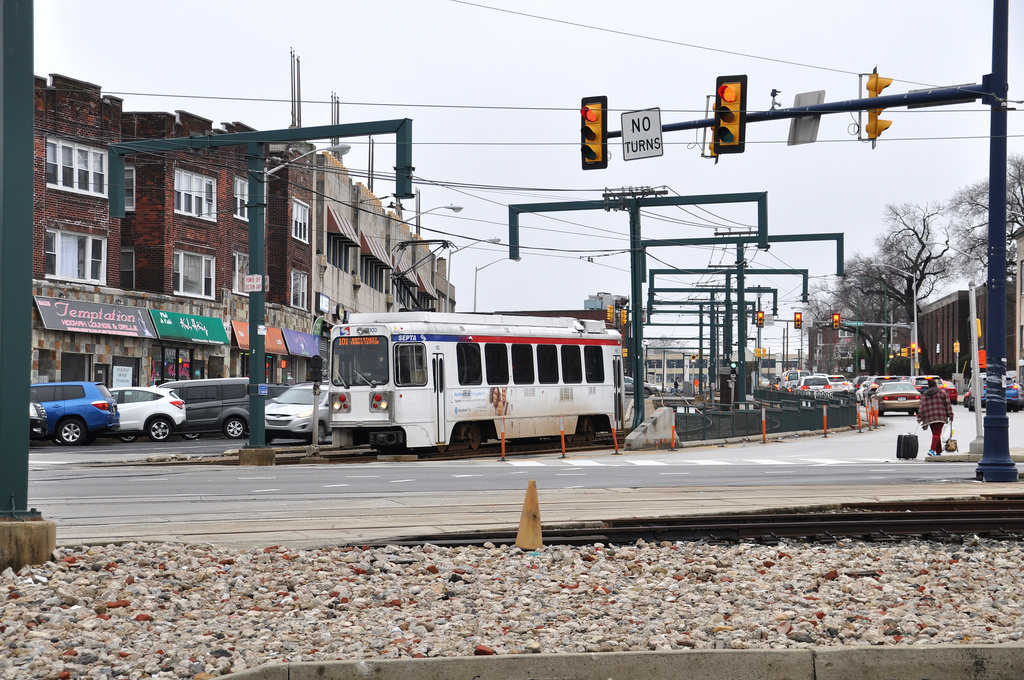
[189, 347]
[302, 346]
[278, 366]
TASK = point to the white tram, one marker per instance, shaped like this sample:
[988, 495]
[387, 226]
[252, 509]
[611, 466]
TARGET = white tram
[432, 380]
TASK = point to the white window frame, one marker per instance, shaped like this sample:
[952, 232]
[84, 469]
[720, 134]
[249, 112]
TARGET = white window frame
[300, 289]
[241, 194]
[195, 195]
[74, 256]
[208, 274]
[300, 221]
[240, 263]
[129, 188]
[76, 167]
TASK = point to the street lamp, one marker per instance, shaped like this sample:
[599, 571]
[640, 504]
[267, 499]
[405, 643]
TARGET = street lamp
[913, 329]
[475, 273]
[257, 298]
[448, 274]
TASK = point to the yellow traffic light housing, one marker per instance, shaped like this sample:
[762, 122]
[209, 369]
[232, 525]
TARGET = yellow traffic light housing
[594, 132]
[623, 318]
[798, 320]
[876, 126]
[730, 128]
[611, 314]
[836, 319]
[760, 319]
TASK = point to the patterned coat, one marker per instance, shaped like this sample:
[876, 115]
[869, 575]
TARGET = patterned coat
[935, 407]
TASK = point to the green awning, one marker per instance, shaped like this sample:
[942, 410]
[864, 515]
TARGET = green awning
[189, 327]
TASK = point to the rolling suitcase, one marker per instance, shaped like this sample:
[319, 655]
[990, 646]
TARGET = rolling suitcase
[906, 446]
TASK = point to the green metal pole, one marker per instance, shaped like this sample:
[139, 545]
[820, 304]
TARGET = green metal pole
[636, 266]
[16, 143]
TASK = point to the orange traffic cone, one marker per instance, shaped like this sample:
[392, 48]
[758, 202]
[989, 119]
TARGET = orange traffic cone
[528, 537]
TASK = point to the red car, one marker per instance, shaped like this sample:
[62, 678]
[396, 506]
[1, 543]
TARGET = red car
[921, 382]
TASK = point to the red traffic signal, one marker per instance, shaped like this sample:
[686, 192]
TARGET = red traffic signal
[594, 133]
[835, 320]
[798, 320]
[730, 128]
[760, 319]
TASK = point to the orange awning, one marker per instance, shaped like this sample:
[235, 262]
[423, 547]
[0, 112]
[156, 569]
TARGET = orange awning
[273, 343]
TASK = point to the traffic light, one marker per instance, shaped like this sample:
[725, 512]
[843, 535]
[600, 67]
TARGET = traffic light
[760, 319]
[913, 349]
[798, 320]
[835, 320]
[623, 317]
[729, 133]
[611, 314]
[594, 133]
[316, 368]
[876, 126]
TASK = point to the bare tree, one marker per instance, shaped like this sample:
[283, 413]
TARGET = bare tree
[969, 210]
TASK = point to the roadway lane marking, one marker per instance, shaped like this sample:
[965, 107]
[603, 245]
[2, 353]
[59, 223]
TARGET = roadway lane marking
[591, 463]
[399, 481]
[461, 476]
[263, 490]
[707, 461]
[258, 479]
[770, 461]
[646, 462]
[525, 463]
[331, 486]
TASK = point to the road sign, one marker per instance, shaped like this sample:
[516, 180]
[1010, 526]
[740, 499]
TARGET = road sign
[641, 134]
[855, 324]
[252, 283]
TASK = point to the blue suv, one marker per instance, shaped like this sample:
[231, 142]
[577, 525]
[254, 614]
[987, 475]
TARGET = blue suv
[77, 412]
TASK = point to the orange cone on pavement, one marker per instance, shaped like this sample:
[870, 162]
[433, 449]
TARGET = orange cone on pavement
[528, 537]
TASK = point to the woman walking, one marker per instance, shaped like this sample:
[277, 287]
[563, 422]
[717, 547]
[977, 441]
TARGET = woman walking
[934, 413]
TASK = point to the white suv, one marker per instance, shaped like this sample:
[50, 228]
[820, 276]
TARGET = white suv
[153, 411]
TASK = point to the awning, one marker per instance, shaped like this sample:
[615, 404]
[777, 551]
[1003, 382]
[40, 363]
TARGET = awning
[273, 342]
[189, 327]
[91, 317]
[372, 247]
[301, 344]
[339, 224]
[426, 287]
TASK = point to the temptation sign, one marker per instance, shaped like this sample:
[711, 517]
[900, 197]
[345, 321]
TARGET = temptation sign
[91, 317]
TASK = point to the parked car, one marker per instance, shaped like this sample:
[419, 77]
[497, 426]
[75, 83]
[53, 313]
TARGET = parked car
[1013, 396]
[628, 384]
[77, 412]
[36, 421]
[897, 395]
[214, 405]
[921, 383]
[290, 414]
[153, 411]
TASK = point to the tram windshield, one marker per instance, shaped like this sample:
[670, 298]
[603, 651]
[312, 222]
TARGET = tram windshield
[359, 360]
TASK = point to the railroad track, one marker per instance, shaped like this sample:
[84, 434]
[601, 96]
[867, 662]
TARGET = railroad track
[992, 517]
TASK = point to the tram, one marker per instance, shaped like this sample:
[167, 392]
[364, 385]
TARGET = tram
[427, 380]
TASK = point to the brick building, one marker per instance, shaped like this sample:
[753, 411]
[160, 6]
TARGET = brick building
[159, 294]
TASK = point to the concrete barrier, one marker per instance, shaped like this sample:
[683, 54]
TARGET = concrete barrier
[918, 662]
[653, 433]
[257, 456]
[26, 541]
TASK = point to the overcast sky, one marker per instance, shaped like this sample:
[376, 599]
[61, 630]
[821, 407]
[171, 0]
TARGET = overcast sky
[493, 89]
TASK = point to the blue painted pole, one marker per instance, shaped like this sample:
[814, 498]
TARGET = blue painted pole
[996, 464]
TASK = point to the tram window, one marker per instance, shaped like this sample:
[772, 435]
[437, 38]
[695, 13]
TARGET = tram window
[496, 358]
[468, 359]
[410, 365]
[572, 368]
[593, 363]
[522, 364]
[547, 364]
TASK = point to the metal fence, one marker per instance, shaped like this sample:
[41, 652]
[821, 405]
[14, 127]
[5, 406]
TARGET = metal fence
[783, 412]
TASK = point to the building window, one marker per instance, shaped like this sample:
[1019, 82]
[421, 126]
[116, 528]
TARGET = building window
[300, 295]
[337, 253]
[128, 268]
[195, 195]
[193, 274]
[300, 221]
[76, 256]
[129, 187]
[241, 268]
[241, 199]
[76, 167]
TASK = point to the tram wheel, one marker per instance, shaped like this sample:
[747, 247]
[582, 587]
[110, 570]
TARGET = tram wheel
[585, 429]
[473, 436]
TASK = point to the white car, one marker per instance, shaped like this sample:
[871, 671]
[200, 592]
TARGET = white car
[840, 383]
[290, 415]
[153, 411]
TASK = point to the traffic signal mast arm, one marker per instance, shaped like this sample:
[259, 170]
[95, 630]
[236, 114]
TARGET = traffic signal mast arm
[938, 96]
